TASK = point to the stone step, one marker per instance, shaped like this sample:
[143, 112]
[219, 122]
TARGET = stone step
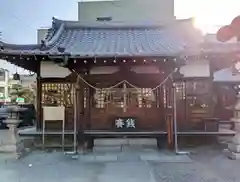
[107, 149]
[125, 141]
[110, 141]
[143, 142]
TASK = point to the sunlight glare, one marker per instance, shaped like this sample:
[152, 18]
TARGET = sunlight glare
[209, 15]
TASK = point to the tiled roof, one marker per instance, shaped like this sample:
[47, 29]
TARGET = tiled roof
[110, 39]
[114, 39]
[212, 45]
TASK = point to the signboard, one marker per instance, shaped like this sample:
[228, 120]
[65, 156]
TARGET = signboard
[125, 123]
[20, 100]
[1, 95]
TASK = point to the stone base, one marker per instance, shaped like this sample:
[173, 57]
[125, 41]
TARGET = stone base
[15, 149]
[231, 155]
[234, 147]
[233, 151]
[8, 148]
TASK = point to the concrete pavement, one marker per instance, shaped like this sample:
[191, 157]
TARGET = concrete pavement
[40, 166]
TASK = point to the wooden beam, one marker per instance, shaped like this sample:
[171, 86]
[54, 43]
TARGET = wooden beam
[56, 80]
[164, 61]
[140, 80]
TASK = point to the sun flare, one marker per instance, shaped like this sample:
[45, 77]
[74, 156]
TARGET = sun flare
[209, 15]
[201, 24]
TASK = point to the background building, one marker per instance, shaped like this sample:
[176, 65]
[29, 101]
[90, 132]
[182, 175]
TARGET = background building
[127, 11]
[161, 11]
[4, 83]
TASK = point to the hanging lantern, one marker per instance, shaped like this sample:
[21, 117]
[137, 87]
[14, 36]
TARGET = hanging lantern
[225, 33]
[16, 76]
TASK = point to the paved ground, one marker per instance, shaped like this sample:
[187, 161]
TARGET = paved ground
[204, 165]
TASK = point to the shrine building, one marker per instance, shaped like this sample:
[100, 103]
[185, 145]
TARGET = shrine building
[116, 74]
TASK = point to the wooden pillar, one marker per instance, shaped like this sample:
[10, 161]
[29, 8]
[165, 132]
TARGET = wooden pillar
[169, 115]
[89, 100]
[89, 93]
[39, 100]
[170, 140]
[80, 110]
[212, 93]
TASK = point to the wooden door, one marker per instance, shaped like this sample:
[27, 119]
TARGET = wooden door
[194, 103]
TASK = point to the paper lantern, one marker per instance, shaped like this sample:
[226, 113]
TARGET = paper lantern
[235, 24]
[225, 33]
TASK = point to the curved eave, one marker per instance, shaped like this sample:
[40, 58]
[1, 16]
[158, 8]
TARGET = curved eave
[213, 49]
[26, 63]
[17, 47]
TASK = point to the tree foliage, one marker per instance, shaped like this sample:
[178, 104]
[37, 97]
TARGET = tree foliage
[29, 94]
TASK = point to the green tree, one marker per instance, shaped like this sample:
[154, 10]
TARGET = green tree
[29, 94]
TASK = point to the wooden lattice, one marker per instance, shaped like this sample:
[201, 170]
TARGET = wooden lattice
[180, 90]
[141, 97]
[100, 98]
[145, 97]
[57, 94]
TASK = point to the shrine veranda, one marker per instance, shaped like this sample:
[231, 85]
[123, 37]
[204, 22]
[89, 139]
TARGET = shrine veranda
[118, 79]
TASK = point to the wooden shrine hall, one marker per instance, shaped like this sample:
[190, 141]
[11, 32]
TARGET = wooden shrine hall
[117, 79]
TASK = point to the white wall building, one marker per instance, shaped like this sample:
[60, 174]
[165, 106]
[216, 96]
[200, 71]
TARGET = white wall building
[127, 10]
[4, 83]
[161, 11]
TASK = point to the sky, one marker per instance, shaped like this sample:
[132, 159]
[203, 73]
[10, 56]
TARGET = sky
[19, 20]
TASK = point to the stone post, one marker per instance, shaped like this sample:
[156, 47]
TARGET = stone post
[13, 144]
[233, 151]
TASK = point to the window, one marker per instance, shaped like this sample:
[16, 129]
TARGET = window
[57, 94]
[2, 92]
[197, 87]
[108, 18]
[198, 94]
[2, 75]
